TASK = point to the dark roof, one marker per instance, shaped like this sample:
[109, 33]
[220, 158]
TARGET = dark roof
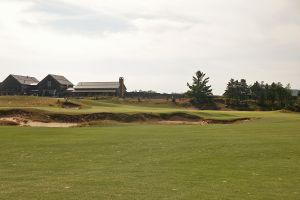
[61, 80]
[97, 85]
[26, 80]
[295, 93]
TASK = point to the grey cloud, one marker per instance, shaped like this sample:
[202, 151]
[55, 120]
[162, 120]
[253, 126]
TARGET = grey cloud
[90, 24]
[58, 8]
[78, 20]
[166, 16]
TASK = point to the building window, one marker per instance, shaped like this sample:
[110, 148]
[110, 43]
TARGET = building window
[49, 84]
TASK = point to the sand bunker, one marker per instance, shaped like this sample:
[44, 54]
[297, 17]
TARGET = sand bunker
[25, 122]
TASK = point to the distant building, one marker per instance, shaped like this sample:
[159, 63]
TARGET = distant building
[100, 88]
[54, 85]
[295, 93]
[19, 85]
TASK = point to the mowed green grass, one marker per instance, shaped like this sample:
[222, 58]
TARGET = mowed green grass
[259, 159]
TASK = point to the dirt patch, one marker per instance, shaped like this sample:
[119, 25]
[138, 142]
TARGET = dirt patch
[8, 123]
[201, 123]
[123, 117]
[70, 105]
[15, 112]
[232, 121]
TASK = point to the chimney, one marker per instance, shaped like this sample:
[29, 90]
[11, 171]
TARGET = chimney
[122, 87]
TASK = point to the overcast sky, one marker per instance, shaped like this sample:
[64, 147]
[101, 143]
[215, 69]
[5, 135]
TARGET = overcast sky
[157, 44]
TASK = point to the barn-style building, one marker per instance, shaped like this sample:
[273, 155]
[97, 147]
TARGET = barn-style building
[54, 85]
[100, 88]
[19, 85]
[59, 86]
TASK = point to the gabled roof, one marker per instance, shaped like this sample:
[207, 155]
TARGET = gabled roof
[26, 80]
[295, 93]
[97, 85]
[61, 79]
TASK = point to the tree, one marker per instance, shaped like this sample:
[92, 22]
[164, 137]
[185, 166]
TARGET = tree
[244, 90]
[255, 89]
[273, 95]
[200, 92]
[231, 92]
[262, 98]
[287, 96]
[237, 91]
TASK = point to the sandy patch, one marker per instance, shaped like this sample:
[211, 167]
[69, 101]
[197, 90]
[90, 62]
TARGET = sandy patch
[30, 123]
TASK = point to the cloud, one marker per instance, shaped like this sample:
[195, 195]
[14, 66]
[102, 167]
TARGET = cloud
[57, 8]
[90, 24]
[67, 17]
[156, 44]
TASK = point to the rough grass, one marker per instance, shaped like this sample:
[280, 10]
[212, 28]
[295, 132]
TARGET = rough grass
[255, 160]
[27, 101]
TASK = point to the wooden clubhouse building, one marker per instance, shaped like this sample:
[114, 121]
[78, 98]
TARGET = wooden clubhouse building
[19, 85]
[59, 86]
[100, 88]
[54, 85]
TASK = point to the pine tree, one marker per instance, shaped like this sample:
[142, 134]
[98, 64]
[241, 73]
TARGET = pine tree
[200, 92]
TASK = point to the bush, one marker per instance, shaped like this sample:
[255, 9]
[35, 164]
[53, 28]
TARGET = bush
[296, 106]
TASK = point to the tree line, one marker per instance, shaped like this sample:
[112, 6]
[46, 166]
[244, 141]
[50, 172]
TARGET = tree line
[239, 94]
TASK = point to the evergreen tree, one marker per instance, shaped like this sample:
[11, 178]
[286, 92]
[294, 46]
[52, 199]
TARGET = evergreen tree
[200, 92]
[231, 92]
[273, 96]
[255, 89]
[237, 91]
[244, 90]
[263, 94]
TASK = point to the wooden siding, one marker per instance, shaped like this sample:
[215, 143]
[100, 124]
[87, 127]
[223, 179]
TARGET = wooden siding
[11, 86]
[49, 86]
